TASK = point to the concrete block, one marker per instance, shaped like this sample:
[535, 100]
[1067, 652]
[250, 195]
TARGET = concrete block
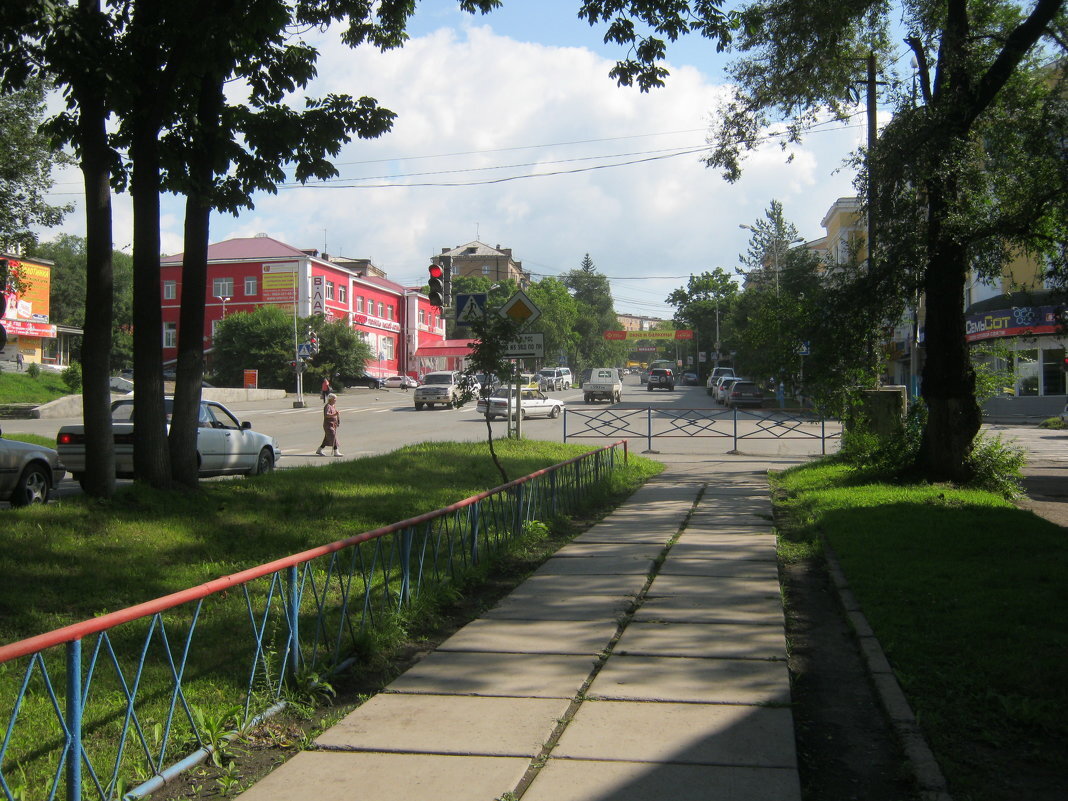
[703, 681]
[522, 675]
[719, 640]
[588, 637]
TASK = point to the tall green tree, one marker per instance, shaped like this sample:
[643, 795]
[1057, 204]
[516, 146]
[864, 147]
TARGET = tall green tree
[27, 158]
[559, 315]
[343, 353]
[596, 314]
[704, 305]
[258, 340]
[943, 195]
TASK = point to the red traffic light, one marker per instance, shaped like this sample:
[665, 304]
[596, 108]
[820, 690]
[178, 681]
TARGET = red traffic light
[435, 271]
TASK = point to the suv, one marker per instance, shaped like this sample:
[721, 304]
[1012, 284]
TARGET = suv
[555, 378]
[443, 388]
[661, 378]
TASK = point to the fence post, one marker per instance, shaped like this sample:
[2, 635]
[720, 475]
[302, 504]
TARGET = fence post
[735, 429]
[565, 425]
[649, 428]
[74, 720]
[823, 436]
[474, 519]
[517, 527]
[406, 565]
[552, 492]
[294, 619]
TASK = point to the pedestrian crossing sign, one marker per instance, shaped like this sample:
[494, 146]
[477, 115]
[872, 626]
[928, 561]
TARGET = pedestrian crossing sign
[470, 308]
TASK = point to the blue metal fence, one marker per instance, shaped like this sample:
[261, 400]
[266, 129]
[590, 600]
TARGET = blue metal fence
[651, 423]
[93, 709]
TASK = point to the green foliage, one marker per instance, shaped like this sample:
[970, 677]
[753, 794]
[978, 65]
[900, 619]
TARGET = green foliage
[996, 466]
[260, 340]
[16, 387]
[595, 315]
[705, 305]
[881, 457]
[342, 352]
[992, 362]
[28, 158]
[72, 377]
[34, 370]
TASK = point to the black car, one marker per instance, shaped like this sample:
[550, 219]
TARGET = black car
[368, 381]
[661, 378]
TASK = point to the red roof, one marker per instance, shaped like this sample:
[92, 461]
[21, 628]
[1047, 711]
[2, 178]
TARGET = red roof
[253, 247]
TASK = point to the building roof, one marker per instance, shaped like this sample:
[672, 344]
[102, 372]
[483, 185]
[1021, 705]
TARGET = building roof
[252, 247]
[475, 248]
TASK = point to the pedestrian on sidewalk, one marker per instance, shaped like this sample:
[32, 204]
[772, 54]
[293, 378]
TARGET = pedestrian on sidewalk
[331, 421]
[18, 359]
[326, 389]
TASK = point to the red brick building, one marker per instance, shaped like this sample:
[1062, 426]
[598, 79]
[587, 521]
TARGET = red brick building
[397, 322]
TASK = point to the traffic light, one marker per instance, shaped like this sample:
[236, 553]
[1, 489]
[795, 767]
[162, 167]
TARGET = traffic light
[313, 340]
[437, 286]
[446, 268]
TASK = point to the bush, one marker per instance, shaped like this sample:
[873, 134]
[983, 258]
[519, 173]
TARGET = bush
[72, 377]
[996, 466]
[33, 370]
[887, 456]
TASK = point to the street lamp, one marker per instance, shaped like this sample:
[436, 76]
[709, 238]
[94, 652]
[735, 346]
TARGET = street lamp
[224, 300]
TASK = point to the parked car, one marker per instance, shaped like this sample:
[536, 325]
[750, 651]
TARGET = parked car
[441, 388]
[400, 382]
[661, 378]
[28, 472]
[725, 387]
[690, 379]
[1064, 414]
[369, 381]
[556, 378]
[532, 403]
[487, 381]
[225, 445]
[745, 393]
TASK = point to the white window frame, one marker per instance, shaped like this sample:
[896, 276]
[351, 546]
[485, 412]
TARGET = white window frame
[222, 287]
[342, 293]
[251, 285]
[170, 290]
[170, 335]
[329, 290]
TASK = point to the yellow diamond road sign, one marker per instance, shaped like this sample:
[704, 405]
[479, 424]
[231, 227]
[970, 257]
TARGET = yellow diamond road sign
[520, 309]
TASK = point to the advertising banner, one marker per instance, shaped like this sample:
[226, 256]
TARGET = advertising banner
[682, 333]
[1017, 321]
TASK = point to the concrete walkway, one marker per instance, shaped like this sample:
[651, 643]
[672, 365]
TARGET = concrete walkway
[645, 660]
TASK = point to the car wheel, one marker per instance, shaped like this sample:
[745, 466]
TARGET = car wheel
[32, 487]
[648, 387]
[419, 407]
[555, 412]
[265, 463]
[619, 397]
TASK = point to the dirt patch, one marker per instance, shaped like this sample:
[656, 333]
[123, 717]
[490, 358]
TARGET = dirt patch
[846, 749]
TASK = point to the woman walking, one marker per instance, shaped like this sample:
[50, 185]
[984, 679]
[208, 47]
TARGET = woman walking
[331, 420]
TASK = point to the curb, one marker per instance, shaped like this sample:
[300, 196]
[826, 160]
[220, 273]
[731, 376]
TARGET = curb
[925, 768]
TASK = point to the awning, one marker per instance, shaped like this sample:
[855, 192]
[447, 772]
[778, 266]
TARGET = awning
[448, 347]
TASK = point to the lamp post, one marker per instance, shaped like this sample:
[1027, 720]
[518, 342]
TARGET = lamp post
[224, 299]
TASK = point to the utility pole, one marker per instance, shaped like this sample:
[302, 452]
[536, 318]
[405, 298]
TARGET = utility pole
[872, 136]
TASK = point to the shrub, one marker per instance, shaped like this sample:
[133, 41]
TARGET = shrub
[996, 466]
[72, 377]
[883, 456]
[33, 370]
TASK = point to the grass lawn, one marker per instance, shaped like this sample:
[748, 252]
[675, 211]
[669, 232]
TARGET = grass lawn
[967, 595]
[21, 387]
[68, 562]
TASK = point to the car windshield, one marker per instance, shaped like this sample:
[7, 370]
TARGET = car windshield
[606, 374]
[547, 373]
[439, 378]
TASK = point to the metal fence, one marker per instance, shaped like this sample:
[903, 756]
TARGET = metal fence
[738, 425]
[95, 708]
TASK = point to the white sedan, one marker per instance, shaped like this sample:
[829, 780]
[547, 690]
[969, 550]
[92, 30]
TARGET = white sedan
[534, 402]
[224, 445]
[400, 382]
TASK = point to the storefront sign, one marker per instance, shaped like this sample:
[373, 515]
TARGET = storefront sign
[1018, 321]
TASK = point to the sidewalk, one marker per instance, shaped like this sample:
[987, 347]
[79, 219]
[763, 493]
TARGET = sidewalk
[637, 663]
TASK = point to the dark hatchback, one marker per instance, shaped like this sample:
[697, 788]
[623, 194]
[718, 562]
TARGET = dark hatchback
[661, 378]
[745, 393]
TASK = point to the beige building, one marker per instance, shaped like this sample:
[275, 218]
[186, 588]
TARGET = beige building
[479, 259]
[635, 322]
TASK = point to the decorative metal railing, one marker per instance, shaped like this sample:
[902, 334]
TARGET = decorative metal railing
[651, 422]
[91, 710]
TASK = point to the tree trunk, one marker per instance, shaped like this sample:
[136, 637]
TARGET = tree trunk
[954, 416]
[190, 371]
[151, 461]
[99, 477]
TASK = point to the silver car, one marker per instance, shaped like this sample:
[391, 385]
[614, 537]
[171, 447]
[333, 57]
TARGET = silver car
[224, 445]
[28, 473]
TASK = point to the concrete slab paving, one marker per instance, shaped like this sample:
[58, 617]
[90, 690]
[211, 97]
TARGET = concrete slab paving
[720, 590]
[553, 636]
[521, 675]
[723, 566]
[586, 584]
[721, 640]
[595, 565]
[735, 547]
[646, 551]
[684, 679]
[537, 606]
[765, 610]
[337, 776]
[447, 724]
[695, 734]
[585, 780]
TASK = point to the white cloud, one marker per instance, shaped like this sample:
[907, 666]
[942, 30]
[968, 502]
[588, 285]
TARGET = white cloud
[472, 91]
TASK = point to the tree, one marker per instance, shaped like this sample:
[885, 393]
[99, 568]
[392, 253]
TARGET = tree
[936, 183]
[67, 301]
[705, 305]
[258, 340]
[27, 156]
[559, 315]
[342, 352]
[596, 314]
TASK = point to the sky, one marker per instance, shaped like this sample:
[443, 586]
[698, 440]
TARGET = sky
[510, 131]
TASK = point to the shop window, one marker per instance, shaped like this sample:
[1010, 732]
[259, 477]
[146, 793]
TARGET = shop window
[388, 348]
[1053, 375]
[1027, 372]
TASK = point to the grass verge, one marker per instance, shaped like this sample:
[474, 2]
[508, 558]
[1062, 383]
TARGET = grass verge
[966, 594]
[68, 562]
[21, 387]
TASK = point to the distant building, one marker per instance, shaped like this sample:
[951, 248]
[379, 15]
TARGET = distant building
[635, 322]
[479, 259]
[404, 332]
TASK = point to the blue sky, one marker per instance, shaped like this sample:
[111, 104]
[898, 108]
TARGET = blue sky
[522, 97]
